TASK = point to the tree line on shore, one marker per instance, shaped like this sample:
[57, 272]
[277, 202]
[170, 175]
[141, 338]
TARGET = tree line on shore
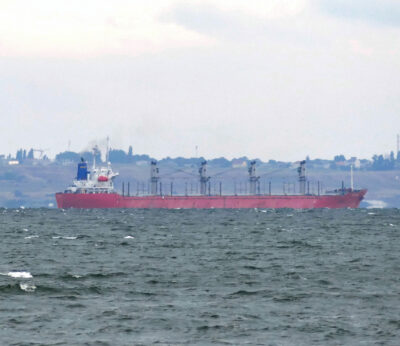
[119, 156]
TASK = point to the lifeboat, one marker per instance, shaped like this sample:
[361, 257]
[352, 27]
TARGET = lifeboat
[102, 179]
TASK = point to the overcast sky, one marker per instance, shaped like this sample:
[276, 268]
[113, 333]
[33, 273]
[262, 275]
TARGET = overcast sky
[271, 79]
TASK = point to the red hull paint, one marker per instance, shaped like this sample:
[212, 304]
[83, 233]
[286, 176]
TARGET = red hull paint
[114, 200]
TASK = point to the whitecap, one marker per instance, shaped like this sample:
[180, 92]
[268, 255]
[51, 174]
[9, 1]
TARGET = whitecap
[129, 237]
[371, 213]
[20, 275]
[25, 229]
[69, 238]
[27, 287]
[32, 236]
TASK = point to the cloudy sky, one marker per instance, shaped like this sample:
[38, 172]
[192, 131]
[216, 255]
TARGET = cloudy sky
[277, 79]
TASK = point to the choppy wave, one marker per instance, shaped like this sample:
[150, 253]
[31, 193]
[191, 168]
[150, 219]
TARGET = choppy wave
[117, 277]
[19, 275]
[32, 236]
[27, 287]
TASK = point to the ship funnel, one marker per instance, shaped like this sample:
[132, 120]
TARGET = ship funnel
[82, 170]
[203, 178]
[154, 177]
[253, 179]
[302, 177]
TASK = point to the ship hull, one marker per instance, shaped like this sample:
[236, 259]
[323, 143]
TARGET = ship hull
[114, 200]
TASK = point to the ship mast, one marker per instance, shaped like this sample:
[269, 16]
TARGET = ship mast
[351, 178]
[203, 178]
[302, 177]
[154, 177]
[253, 178]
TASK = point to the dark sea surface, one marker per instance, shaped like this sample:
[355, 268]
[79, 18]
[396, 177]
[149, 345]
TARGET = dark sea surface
[199, 277]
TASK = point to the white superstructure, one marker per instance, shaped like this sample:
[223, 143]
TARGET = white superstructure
[98, 180]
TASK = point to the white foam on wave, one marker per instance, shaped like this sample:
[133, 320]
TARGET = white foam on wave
[69, 238]
[27, 287]
[25, 229]
[20, 275]
[32, 236]
[129, 237]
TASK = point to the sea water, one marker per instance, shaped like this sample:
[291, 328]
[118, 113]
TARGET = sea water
[199, 277]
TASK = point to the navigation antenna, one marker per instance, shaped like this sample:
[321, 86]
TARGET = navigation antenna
[302, 177]
[203, 178]
[398, 144]
[154, 177]
[253, 178]
[108, 150]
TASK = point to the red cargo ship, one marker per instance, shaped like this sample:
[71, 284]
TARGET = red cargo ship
[95, 189]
